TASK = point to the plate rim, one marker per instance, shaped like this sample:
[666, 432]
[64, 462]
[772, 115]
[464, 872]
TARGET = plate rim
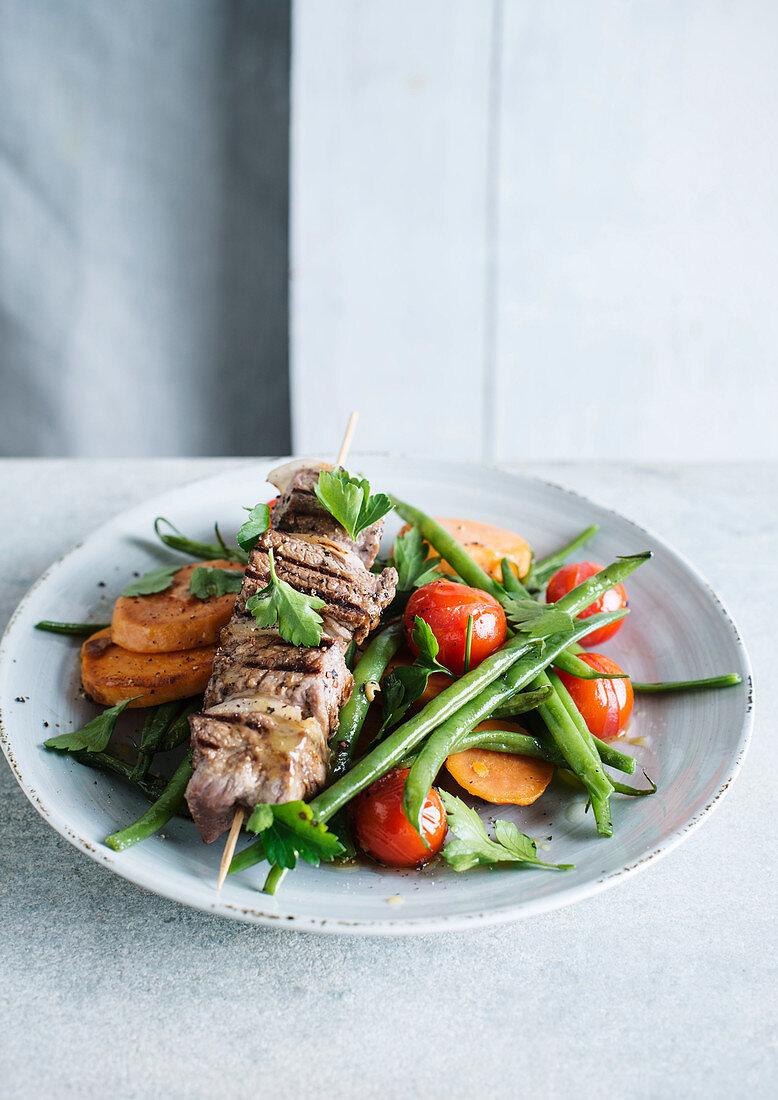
[385, 926]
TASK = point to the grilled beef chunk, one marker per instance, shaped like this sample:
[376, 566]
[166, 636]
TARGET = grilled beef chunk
[353, 596]
[271, 707]
[299, 512]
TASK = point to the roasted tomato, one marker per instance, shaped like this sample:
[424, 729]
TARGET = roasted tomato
[605, 705]
[569, 577]
[446, 607]
[386, 834]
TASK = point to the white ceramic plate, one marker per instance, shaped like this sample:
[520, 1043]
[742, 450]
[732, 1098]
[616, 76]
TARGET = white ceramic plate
[692, 745]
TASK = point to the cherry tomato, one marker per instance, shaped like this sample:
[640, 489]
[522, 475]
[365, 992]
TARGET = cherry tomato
[569, 577]
[446, 606]
[386, 834]
[605, 705]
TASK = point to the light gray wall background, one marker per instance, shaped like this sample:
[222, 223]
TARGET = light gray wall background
[536, 228]
[143, 226]
[520, 228]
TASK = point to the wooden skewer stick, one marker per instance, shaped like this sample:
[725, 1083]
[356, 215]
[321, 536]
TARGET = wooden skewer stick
[240, 813]
[229, 847]
[348, 435]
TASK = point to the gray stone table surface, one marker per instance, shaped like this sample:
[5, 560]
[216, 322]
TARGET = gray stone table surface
[663, 986]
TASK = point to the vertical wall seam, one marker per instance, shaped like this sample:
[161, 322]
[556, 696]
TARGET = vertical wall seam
[491, 228]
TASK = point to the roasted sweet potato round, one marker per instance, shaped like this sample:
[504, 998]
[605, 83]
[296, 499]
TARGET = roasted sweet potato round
[110, 674]
[487, 545]
[173, 620]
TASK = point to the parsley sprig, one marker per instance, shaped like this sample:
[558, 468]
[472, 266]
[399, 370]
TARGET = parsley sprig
[257, 523]
[469, 845]
[210, 580]
[94, 736]
[295, 613]
[410, 557]
[407, 683]
[536, 620]
[349, 500]
[156, 580]
[288, 830]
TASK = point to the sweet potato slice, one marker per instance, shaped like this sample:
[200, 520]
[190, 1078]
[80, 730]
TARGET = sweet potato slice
[110, 674]
[487, 545]
[500, 777]
[173, 620]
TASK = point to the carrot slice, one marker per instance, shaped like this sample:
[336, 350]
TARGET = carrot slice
[487, 545]
[110, 674]
[500, 777]
[173, 620]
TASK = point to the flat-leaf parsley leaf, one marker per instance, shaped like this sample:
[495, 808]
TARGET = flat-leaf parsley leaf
[257, 523]
[293, 612]
[407, 683]
[288, 831]
[157, 580]
[349, 501]
[94, 736]
[208, 580]
[410, 559]
[470, 846]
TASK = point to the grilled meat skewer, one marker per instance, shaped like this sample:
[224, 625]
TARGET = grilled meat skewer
[271, 707]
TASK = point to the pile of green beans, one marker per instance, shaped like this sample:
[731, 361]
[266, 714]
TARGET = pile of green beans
[402, 741]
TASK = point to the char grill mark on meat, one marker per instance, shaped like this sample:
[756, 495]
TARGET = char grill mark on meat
[354, 598]
[271, 708]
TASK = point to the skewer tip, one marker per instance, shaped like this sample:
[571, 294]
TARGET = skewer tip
[229, 847]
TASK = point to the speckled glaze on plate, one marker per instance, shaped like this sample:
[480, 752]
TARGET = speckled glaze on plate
[692, 745]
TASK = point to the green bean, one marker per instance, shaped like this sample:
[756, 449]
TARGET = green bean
[577, 717]
[157, 815]
[527, 745]
[74, 629]
[579, 598]
[730, 679]
[369, 670]
[251, 854]
[156, 725]
[468, 643]
[204, 550]
[618, 788]
[150, 786]
[510, 581]
[449, 549]
[574, 741]
[275, 877]
[542, 570]
[179, 732]
[607, 753]
[509, 741]
[522, 703]
[570, 663]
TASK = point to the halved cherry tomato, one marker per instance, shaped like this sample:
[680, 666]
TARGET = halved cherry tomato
[569, 577]
[446, 607]
[386, 834]
[605, 705]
